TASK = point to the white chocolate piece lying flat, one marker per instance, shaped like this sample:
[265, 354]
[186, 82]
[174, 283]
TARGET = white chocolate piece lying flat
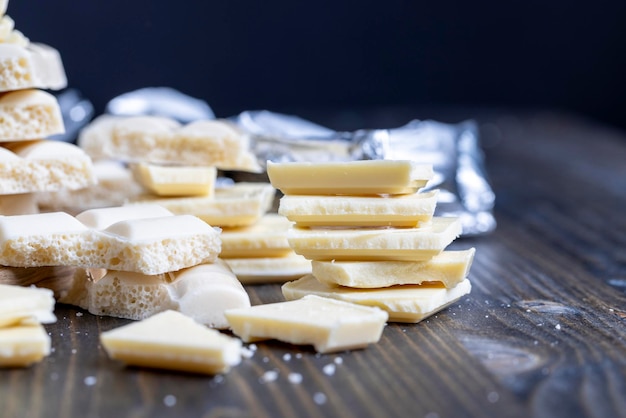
[375, 244]
[23, 345]
[172, 341]
[18, 204]
[349, 178]
[239, 205]
[18, 304]
[102, 218]
[265, 238]
[160, 140]
[174, 180]
[45, 165]
[29, 114]
[327, 324]
[261, 270]
[34, 66]
[397, 210]
[148, 246]
[448, 267]
[115, 185]
[407, 303]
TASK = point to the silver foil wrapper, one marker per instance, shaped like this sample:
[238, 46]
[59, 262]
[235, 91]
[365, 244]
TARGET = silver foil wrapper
[453, 149]
[77, 112]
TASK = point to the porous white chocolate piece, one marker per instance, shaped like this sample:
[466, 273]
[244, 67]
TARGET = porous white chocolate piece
[29, 114]
[160, 140]
[101, 218]
[349, 177]
[448, 267]
[170, 340]
[258, 270]
[34, 66]
[18, 304]
[327, 324]
[34, 166]
[22, 345]
[238, 205]
[406, 303]
[148, 246]
[265, 238]
[375, 244]
[18, 204]
[172, 180]
[114, 186]
[395, 210]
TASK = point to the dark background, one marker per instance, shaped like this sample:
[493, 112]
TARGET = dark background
[297, 56]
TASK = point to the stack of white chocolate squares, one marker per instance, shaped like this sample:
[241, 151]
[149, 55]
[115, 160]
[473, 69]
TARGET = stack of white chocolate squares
[372, 236]
[28, 115]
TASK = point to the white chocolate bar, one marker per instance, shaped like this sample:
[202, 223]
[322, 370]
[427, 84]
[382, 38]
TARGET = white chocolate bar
[29, 114]
[8, 33]
[408, 303]
[161, 140]
[327, 324]
[202, 292]
[170, 340]
[148, 246]
[34, 66]
[239, 205]
[3, 7]
[397, 210]
[45, 165]
[18, 204]
[101, 218]
[375, 244]
[259, 270]
[19, 304]
[173, 180]
[448, 267]
[370, 177]
[24, 344]
[265, 238]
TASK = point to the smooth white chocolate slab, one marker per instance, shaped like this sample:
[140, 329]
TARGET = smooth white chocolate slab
[407, 303]
[170, 340]
[375, 244]
[18, 204]
[161, 140]
[148, 246]
[239, 205]
[327, 324]
[395, 210]
[369, 177]
[448, 267]
[35, 65]
[260, 270]
[24, 344]
[202, 292]
[101, 218]
[29, 114]
[265, 238]
[44, 165]
[172, 180]
[18, 304]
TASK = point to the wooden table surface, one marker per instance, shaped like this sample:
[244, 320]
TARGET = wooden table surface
[543, 333]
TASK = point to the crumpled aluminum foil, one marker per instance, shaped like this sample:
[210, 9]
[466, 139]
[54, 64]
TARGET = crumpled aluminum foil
[76, 111]
[453, 149]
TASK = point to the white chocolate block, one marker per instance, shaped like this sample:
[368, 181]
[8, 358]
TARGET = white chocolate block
[239, 205]
[102, 218]
[29, 114]
[327, 324]
[265, 238]
[34, 66]
[258, 270]
[170, 340]
[19, 304]
[23, 345]
[171, 180]
[395, 210]
[18, 204]
[448, 267]
[161, 140]
[3, 7]
[375, 244]
[349, 178]
[407, 303]
[148, 246]
[10, 35]
[45, 165]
